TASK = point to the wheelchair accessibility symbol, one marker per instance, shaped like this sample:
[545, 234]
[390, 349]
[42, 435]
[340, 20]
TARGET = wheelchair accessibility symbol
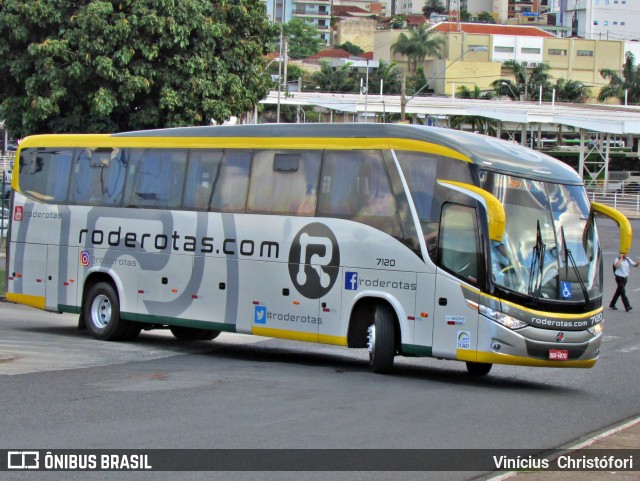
[566, 290]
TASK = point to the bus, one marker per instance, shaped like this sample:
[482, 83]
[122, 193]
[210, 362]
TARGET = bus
[402, 240]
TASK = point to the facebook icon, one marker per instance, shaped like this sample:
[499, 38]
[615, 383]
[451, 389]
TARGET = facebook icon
[351, 281]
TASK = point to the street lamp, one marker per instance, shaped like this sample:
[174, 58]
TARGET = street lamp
[508, 85]
[404, 101]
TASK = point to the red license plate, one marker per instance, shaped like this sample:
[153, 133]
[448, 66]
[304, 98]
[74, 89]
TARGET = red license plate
[558, 354]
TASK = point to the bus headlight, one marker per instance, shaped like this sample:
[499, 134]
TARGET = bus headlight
[595, 330]
[501, 318]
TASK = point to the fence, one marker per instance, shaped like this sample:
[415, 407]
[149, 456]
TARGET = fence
[628, 204]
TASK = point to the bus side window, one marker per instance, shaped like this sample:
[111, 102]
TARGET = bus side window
[44, 173]
[204, 167]
[458, 241]
[230, 187]
[355, 185]
[98, 176]
[156, 178]
[284, 182]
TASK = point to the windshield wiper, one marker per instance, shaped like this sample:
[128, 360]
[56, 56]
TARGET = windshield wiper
[568, 258]
[537, 264]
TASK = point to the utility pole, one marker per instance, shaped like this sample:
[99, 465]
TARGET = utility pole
[403, 98]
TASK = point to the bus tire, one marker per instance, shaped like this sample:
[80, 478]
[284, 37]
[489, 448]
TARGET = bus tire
[381, 340]
[192, 334]
[101, 313]
[478, 368]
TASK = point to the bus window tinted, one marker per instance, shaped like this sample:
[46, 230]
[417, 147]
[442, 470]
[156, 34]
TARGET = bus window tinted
[230, 187]
[204, 168]
[284, 183]
[44, 173]
[98, 176]
[156, 178]
[355, 185]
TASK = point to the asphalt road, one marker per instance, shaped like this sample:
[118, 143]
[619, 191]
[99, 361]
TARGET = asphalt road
[61, 389]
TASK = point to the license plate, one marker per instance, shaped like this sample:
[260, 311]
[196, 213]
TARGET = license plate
[558, 354]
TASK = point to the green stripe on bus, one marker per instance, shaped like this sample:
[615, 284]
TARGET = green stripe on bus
[70, 309]
[174, 321]
[419, 351]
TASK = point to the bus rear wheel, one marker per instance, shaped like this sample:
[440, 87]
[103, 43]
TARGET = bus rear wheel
[191, 334]
[101, 312]
[478, 368]
[381, 340]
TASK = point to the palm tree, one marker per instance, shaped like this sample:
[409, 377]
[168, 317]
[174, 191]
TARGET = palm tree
[389, 74]
[421, 44]
[628, 84]
[526, 84]
[329, 80]
[571, 91]
[479, 124]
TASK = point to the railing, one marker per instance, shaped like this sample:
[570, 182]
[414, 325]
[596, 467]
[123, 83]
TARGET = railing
[6, 161]
[628, 204]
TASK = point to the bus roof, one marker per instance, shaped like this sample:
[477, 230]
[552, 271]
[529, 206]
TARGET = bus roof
[487, 152]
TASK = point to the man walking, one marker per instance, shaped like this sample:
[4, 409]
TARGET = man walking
[621, 272]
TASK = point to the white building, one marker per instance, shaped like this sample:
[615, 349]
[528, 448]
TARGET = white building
[601, 19]
[314, 12]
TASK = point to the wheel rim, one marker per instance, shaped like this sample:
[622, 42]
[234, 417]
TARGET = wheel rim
[101, 311]
[371, 340]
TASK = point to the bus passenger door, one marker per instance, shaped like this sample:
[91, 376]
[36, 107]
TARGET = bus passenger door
[455, 326]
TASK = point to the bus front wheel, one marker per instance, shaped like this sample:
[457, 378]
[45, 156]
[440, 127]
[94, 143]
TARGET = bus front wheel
[101, 313]
[478, 368]
[381, 340]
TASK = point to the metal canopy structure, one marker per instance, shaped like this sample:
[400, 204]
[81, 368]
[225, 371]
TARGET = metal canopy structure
[601, 119]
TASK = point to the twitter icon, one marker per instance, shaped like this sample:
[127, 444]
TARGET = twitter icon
[260, 315]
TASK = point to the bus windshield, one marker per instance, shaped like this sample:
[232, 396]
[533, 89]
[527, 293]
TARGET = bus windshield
[549, 248]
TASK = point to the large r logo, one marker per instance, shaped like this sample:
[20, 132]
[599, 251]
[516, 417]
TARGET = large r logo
[314, 260]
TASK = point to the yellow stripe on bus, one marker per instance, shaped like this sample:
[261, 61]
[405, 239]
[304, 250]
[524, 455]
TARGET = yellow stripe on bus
[330, 143]
[298, 336]
[27, 300]
[558, 315]
[493, 358]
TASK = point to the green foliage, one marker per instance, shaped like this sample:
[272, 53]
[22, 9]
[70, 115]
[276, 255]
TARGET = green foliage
[485, 17]
[571, 91]
[417, 46]
[328, 79]
[106, 66]
[433, 6]
[527, 81]
[304, 39]
[628, 82]
[351, 48]
[397, 21]
[465, 16]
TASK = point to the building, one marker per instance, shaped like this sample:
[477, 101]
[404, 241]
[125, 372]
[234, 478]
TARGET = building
[314, 12]
[601, 19]
[463, 64]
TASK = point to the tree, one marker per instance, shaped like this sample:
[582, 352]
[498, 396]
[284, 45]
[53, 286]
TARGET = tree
[422, 43]
[433, 6]
[106, 66]
[389, 74]
[304, 39]
[571, 91]
[351, 48]
[485, 17]
[397, 21]
[478, 124]
[526, 82]
[620, 85]
[328, 79]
